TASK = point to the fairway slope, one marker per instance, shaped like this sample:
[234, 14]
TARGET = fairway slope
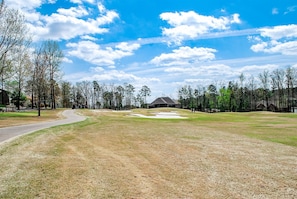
[110, 155]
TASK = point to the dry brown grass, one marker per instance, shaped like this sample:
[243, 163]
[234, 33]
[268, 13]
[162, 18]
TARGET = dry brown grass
[28, 117]
[111, 155]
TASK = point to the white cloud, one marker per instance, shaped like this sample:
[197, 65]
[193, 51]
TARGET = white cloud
[101, 74]
[184, 55]
[280, 40]
[279, 32]
[101, 7]
[291, 9]
[259, 47]
[203, 71]
[185, 25]
[67, 26]
[73, 11]
[124, 46]
[114, 77]
[108, 17]
[27, 5]
[111, 75]
[88, 37]
[274, 11]
[235, 19]
[82, 1]
[52, 1]
[66, 60]
[93, 53]
[255, 69]
[206, 74]
[65, 23]
[286, 48]
[27, 8]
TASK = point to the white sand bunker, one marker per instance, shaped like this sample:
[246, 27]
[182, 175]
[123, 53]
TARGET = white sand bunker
[162, 115]
[113, 111]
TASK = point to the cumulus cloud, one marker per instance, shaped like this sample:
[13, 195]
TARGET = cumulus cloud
[279, 32]
[101, 7]
[254, 69]
[66, 60]
[189, 25]
[73, 11]
[112, 76]
[27, 5]
[27, 8]
[124, 46]
[277, 40]
[273, 47]
[206, 74]
[66, 23]
[184, 55]
[93, 53]
[87, 37]
[212, 70]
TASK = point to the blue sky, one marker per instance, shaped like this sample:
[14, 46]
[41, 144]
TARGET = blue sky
[166, 44]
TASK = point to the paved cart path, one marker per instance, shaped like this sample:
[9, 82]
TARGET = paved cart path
[9, 133]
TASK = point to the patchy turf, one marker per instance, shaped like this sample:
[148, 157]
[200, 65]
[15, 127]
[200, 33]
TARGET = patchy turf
[26, 117]
[114, 155]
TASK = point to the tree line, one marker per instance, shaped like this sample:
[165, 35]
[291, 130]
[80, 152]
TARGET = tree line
[273, 91]
[87, 94]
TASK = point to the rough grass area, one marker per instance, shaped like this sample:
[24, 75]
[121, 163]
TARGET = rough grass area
[26, 117]
[275, 127]
[114, 155]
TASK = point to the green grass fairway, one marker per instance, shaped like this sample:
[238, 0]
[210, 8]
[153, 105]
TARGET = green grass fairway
[275, 127]
[5, 115]
[269, 126]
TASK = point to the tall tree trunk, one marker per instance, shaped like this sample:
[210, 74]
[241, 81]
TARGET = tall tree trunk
[32, 101]
[39, 104]
[18, 99]
[54, 98]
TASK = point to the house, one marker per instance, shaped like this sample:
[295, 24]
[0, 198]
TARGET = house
[163, 102]
[4, 98]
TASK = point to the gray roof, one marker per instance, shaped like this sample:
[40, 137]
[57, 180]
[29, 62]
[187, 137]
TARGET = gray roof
[163, 100]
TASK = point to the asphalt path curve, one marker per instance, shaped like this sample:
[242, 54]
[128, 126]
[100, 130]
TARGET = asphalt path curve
[9, 133]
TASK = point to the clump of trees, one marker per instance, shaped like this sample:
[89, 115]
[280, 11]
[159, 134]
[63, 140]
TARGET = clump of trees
[23, 70]
[87, 94]
[46, 62]
[14, 41]
[273, 91]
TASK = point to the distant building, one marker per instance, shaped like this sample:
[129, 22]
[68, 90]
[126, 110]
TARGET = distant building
[163, 102]
[4, 98]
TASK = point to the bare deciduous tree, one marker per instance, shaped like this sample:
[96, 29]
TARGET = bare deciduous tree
[40, 69]
[53, 57]
[22, 66]
[13, 33]
[264, 78]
